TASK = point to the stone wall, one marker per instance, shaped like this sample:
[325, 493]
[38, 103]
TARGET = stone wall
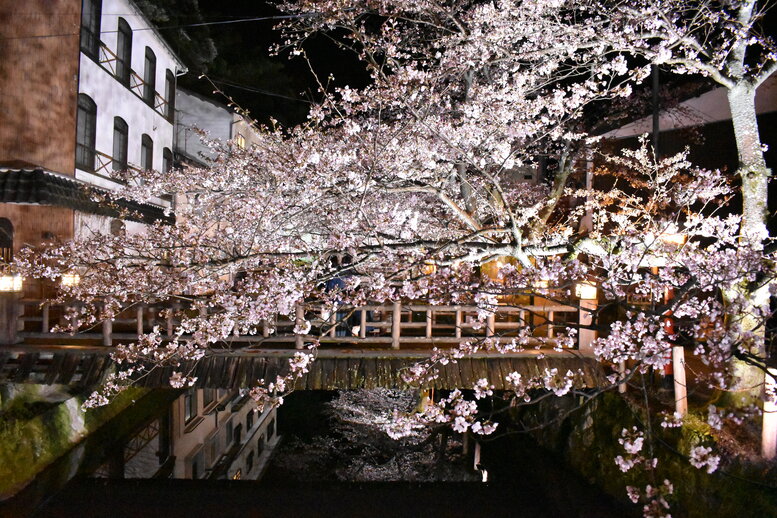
[588, 440]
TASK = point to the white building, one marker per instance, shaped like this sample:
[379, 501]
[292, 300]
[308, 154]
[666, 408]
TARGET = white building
[87, 87]
[221, 434]
[198, 116]
[126, 92]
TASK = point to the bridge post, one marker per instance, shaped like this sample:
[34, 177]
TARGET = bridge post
[139, 319]
[299, 317]
[108, 332]
[9, 317]
[45, 326]
[396, 322]
[586, 336]
[680, 387]
[490, 324]
[170, 323]
[429, 321]
[769, 430]
[265, 328]
[458, 323]
[363, 323]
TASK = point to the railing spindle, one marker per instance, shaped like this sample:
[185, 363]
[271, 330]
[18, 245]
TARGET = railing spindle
[396, 322]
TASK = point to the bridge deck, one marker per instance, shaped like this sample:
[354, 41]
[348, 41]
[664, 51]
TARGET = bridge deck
[333, 369]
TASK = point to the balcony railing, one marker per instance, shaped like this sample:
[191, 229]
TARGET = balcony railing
[109, 61]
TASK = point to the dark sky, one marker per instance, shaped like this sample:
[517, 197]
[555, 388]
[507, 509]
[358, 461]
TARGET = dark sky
[268, 86]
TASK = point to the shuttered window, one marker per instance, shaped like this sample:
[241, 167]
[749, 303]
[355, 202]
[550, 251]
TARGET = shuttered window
[124, 52]
[120, 144]
[86, 122]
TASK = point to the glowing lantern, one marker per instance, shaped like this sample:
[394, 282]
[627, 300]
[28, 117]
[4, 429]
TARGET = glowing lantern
[70, 279]
[586, 290]
[11, 283]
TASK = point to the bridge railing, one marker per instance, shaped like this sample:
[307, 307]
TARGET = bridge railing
[380, 325]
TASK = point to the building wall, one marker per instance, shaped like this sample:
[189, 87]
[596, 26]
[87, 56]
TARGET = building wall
[257, 444]
[208, 434]
[242, 126]
[195, 113]
[33, 223]
[86, 225]
[39, 51]
[115, 99]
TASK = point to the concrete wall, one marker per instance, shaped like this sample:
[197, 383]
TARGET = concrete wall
[86, 225]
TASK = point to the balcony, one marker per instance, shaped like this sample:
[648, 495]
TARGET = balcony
[110, 62]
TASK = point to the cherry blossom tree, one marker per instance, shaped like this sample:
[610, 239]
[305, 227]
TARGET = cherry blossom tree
[355, 446]
[426, 166]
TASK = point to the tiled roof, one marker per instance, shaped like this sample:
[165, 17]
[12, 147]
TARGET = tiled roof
[41, 187]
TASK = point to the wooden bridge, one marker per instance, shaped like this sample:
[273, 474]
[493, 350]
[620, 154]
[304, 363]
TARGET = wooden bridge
[361, 347]
[334, 369]
[391, 325]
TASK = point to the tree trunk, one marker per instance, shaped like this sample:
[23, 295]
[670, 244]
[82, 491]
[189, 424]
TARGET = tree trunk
[752, 166]
[754, 174]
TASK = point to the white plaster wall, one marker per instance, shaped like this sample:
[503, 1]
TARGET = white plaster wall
[114, 99]
[709, 107]
[86, 225]
[244, 127]
[193, 112]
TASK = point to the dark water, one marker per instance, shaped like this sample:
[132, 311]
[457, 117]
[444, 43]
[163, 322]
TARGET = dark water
[523, 480]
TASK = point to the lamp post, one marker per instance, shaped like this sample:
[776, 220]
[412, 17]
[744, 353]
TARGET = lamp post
[11, 287]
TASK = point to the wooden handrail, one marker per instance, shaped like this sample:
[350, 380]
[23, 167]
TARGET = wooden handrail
[108, 60]
[389, 328]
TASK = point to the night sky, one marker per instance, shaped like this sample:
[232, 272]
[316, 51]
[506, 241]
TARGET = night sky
[267, 86]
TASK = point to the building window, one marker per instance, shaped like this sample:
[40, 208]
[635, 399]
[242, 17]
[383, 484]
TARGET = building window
[197, 465]
[260, 445]
[86, 122]
[149, 77]
[228, 435]
[239, 433]
[271, 429]
[189, 405]
[6, 240]
[240, 140]
[146, 153]
[208, 394]
[167, 160]
[250, 462]
[120, 143]
[170, 94]
[124, 52]
[249, 420]
[90, 28]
